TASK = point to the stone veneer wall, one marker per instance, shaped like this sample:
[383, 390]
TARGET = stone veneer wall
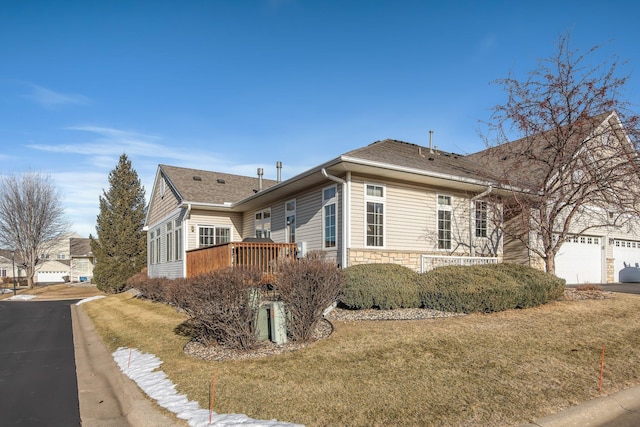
[381, 256]
[407, 259]
[610, 270]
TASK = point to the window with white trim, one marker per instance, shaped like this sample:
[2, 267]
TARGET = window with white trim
[375, 201]
[157, 245]
[481, 218]
[329, 203]
[444, 221]
[152, 247]
[3, 272]
[169, 241]
[209, 235]
[263, 223]
[290, 218]
[177, 240]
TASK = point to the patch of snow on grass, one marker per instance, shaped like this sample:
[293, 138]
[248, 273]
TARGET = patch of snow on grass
[89, 299]
[142, 368]
[22, 297]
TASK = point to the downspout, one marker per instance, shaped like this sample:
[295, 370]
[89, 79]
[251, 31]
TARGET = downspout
[471, 217]
[185, 232]
[345, 210]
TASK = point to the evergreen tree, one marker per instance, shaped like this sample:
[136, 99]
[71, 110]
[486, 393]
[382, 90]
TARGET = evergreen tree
[120, 249]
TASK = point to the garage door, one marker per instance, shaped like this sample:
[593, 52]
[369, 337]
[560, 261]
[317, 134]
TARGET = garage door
[51, 276]
[625, 251]
[580, 260]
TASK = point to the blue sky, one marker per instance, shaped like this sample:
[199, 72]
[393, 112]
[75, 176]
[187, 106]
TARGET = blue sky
[240, 84]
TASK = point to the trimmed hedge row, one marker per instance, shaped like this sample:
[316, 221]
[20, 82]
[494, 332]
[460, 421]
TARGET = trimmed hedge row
[461, 289]
[383, 286]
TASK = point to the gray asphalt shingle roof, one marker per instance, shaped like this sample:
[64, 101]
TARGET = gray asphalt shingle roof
[408, 155]
[194, 185]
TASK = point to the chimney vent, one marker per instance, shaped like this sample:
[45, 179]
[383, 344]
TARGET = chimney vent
[279, 169]
[260, 173]
[197, 178]
[431, 141]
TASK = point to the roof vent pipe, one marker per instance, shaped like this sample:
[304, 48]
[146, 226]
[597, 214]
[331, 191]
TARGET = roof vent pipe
[279, 169]
[260, 173]
[431, 141]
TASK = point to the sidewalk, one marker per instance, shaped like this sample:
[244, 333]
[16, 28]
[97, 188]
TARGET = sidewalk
[620, 409]
[107, 397]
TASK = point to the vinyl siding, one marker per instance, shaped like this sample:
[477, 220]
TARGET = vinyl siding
[209, 218]
[163, 205]
[308, 219]
[170, 269]
[411, 220]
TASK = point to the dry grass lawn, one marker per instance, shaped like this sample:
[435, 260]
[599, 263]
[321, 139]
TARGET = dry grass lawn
[495, 369]
[61, 291]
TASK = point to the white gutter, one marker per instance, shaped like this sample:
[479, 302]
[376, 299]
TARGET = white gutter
[471, 217]
[345, 214]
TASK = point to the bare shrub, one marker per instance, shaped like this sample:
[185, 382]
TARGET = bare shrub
[307, 287]
[222, 306]
[588, 287]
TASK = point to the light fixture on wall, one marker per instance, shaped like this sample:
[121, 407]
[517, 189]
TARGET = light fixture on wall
[193, 229]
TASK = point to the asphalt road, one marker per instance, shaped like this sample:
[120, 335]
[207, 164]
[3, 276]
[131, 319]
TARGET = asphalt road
[38, 385]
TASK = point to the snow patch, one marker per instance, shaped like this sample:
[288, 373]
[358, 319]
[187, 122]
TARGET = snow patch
[89, 299]
[142, 368]
[21, 297]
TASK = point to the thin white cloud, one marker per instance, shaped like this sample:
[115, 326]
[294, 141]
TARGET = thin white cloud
[49, 98]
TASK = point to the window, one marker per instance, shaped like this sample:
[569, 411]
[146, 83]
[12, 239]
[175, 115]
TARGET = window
[178, 239]
[375, 200]
[481, 218]
[290, 216]
[169, 241]
[223, 235]
[157, 246]
[263, 223]
[329, 201]
[3, 272]
[211, 235]
[152, 249]
[444, 222]
[62, 256]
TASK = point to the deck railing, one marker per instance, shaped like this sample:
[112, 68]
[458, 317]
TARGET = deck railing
[247, 254]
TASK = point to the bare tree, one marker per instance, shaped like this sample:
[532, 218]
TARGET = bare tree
[31, 217]
[575, 168]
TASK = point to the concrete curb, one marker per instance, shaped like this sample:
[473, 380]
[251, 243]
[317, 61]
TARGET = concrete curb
[107, 397]
[621, 409]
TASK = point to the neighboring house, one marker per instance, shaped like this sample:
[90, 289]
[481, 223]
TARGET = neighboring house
[8, 266]
[81, 260]
[600, 241]
[54, 263]
[390, 201]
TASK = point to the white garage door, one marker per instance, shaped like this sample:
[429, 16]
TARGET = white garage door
[580, 260]
[51, 276]
[625, 251]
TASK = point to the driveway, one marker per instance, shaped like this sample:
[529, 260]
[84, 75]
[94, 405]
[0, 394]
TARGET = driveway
[627, 288]
[38, 383]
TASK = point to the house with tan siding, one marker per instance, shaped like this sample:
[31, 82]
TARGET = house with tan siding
[388, 202]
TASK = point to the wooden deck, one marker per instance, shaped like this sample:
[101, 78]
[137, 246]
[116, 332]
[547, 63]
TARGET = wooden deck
[248, 254]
